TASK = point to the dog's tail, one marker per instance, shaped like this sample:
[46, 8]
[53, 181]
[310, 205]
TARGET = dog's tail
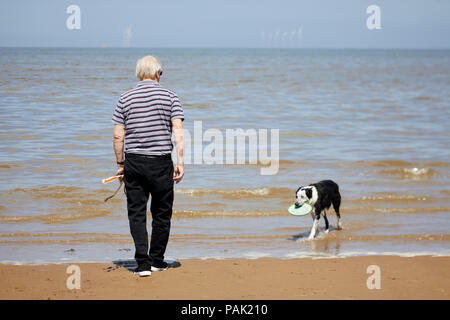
[336, 204]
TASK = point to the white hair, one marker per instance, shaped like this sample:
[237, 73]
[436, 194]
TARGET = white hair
[147, 67]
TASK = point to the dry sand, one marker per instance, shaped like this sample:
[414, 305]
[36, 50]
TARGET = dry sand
[421, 277]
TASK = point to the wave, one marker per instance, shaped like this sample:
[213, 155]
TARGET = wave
[392, 107]
[60, 204]
[382, 163]
[60, 218]
[20, 137]
[60, 234]
[306, 134]
[399, 210]
[237, 193]
[78, 238]
[63, 238]
[84, 214]
[412, 237]
[324, 119]
[6, 166]
[93, 138]
[426, 98]
[378, 163]
[406, 166]
[413, 210]
[399, 133]
[389, 163]
[64, 204]
[387, 197]
[198, 105]
[225, 213]
[57, 192]
[344, 210]
[69, 159]
[402, 167]
[409, 173]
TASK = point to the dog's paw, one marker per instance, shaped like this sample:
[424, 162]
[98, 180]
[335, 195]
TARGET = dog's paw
[327, 231]
[339, 226]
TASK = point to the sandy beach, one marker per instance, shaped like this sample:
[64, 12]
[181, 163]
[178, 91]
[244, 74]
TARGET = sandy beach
[422, 277]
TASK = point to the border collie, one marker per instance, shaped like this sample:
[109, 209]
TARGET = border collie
[320, 196]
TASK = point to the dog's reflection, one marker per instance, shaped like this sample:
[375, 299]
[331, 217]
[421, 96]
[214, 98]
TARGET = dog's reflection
[322, 244]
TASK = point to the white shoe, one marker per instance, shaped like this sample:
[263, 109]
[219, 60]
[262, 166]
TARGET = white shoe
[144, 273]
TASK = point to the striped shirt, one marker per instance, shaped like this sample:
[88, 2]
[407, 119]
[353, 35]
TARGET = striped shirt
[146, 112]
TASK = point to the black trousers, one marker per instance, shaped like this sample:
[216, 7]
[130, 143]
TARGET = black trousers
[144, 176]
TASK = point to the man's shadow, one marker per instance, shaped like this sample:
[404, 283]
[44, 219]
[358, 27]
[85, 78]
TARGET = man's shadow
[131, 265]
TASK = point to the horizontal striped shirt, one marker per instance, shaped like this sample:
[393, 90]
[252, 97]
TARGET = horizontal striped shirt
[146, 112]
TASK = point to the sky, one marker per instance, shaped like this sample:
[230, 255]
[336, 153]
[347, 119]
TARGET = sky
[226, 23]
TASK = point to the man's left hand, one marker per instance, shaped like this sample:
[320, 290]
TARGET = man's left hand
[178, 173]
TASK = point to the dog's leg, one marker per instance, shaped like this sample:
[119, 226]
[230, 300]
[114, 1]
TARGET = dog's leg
[316, 218]
[326, 221]
[336, 205]
[339, 225]
[314, 229]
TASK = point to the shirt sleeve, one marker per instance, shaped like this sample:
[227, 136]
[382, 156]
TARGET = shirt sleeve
[177, 110]
[119, 114]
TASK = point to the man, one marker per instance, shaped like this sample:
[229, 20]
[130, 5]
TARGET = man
[145, 118]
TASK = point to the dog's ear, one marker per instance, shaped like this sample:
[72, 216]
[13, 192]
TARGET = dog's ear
[308, 193]
[298, 190]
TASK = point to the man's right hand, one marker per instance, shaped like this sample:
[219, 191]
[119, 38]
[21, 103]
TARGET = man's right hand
[120, 171]
[178, 173]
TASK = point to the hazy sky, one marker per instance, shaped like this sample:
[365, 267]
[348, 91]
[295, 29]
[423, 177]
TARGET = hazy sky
[226, 23]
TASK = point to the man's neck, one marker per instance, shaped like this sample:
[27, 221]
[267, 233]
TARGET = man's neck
[156, 80]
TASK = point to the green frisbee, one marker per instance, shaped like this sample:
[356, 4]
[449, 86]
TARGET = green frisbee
[303, 210]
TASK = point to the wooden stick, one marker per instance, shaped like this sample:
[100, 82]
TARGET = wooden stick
[110, 179]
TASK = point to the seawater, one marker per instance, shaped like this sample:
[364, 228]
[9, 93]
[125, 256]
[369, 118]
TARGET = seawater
[375, 121]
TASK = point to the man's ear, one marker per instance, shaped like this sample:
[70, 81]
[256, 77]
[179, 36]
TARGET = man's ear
[308, 193]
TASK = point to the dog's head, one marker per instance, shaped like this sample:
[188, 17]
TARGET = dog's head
[305, 194]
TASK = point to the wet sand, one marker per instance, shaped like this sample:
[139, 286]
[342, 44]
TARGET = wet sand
[422, 277]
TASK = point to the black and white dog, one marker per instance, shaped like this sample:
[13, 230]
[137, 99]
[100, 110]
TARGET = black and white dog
[320, 196]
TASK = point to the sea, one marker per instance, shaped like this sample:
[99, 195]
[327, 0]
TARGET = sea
[377, 122]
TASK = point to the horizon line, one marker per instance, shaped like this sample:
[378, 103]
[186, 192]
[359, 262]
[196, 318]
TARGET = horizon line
[212, 47]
